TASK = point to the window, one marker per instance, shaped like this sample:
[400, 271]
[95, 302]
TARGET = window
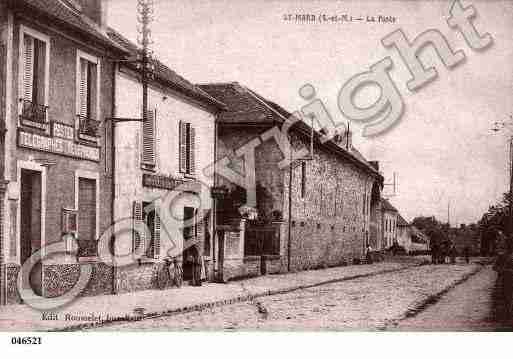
[148, 139]
[148, 247]
[88, 97]
[187, 159]
[87, 88]
[190, 228]
[87, 217]
[303, 179]
[34, 77]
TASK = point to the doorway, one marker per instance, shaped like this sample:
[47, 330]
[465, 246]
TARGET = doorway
[30, 224]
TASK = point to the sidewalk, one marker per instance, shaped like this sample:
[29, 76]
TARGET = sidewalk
[98, 310]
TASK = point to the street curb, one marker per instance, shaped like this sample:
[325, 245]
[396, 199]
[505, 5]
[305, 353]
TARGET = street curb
[420, 306]
[219, 303]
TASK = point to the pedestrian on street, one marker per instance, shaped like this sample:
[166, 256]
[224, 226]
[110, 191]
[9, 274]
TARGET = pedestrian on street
[368, 256]
[452, 253]
[466, 253]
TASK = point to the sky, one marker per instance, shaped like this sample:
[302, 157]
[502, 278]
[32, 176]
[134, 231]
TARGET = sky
[443, 151]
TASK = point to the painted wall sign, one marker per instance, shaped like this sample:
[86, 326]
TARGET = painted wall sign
[63, 131]
[59, 146]
[170, 183]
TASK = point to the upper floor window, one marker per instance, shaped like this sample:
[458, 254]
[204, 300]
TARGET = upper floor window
[34, 77]
[88, 96]
[187, 156]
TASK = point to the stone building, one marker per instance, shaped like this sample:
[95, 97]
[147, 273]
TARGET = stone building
[404, 233]
[159, 170]
[330, 190]
[390, 216]
[56, 94]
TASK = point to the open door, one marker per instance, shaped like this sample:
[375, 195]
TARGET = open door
[30, 228]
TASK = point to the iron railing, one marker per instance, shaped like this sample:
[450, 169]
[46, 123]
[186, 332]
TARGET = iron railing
[34, 113]
[88, 129]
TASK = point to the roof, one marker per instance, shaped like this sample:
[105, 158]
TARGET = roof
[61, 14]
[387, 206]
[246, 107]
[165, 74]
[401, 222]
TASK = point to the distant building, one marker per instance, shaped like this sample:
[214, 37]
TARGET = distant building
[390, 215]
[403, 233]
[410, 237]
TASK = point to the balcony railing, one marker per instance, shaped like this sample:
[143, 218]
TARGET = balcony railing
[88, 129]
[33, 114]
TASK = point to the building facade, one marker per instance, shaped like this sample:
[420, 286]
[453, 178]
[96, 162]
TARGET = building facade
[56, 97]
[318, 208]
[159, 170]
[390, 215]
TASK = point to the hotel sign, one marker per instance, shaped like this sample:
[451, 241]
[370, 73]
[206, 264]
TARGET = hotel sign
[170, 183]
[61, 146]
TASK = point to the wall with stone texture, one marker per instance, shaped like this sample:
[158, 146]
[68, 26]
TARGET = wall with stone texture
[331, 223]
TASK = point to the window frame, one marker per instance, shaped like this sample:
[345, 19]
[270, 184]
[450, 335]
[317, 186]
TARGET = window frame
[81, 55]
[26, 30]
[92, 176]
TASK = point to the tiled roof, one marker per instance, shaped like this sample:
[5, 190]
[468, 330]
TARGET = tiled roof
[387, 206]
[245, 106]
[63, 15]
[242, 105]
[164, 73]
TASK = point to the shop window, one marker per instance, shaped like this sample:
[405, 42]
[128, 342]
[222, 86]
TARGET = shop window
[147, 247]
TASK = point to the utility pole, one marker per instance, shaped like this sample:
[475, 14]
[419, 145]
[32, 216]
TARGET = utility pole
[509, 224]
[145, 11]
[449, 213]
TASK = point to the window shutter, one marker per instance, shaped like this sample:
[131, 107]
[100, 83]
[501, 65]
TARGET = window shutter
[138, 238]
[199, 227]
[28, 75]
[83, 88]
[182, 150]
[149, 138]
[192, 149]
[156, 236]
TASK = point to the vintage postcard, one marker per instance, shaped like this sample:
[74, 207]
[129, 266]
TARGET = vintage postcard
[255, 165]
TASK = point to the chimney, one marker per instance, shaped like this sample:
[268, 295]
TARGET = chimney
[374, 164]
[348, 140]
[96, 10]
